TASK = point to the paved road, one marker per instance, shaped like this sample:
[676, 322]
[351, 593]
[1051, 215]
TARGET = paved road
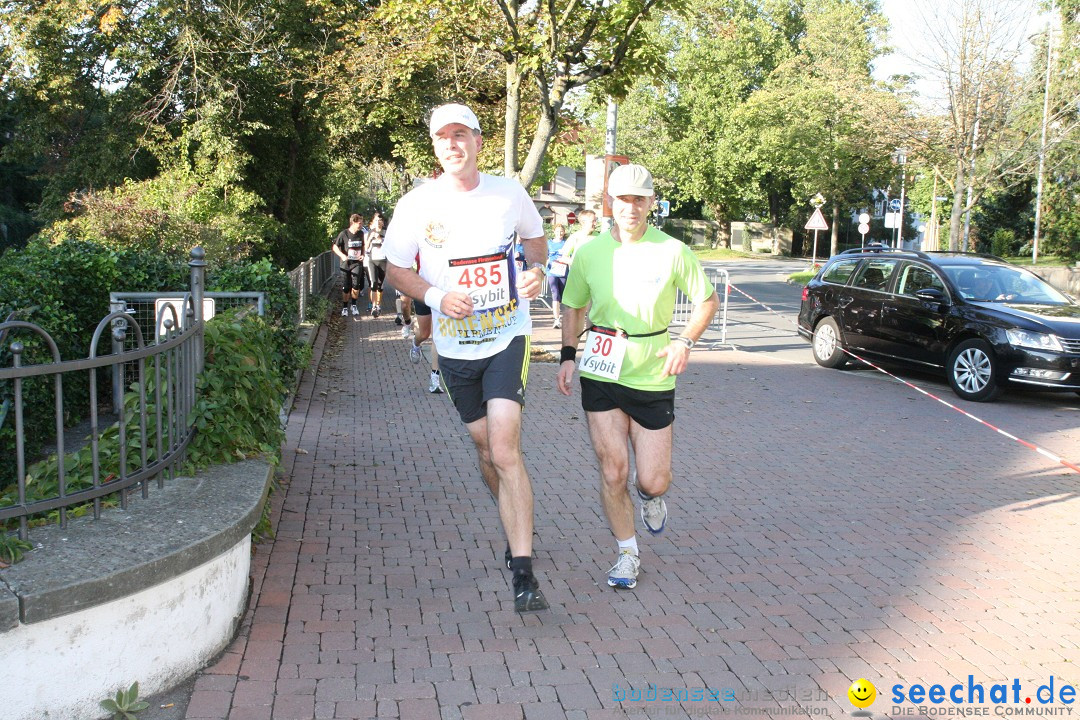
[825, 526]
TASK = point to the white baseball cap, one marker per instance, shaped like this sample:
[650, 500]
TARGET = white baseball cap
[630, 180]
[452, 113]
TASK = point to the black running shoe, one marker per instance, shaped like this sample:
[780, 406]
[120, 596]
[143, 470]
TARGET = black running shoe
[508, 556]
[527, 595]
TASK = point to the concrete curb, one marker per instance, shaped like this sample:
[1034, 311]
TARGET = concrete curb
[177, 528]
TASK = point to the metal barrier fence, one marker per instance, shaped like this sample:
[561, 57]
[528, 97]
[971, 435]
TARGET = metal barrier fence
[146, 309]
[721, 282]
[159, 404]
[310, 277]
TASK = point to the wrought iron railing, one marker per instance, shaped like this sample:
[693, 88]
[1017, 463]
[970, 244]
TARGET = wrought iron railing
[151, 424]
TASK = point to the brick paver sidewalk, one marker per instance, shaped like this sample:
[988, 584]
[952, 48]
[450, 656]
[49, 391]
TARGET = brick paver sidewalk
[815, 538]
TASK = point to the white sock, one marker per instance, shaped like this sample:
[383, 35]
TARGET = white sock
[630, 545]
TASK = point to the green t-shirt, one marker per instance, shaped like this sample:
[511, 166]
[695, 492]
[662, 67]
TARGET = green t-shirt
[633, 288]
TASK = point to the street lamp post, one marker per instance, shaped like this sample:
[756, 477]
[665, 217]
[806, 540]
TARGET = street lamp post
[901, 159]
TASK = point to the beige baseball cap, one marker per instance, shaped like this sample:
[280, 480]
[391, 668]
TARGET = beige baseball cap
[452, 113]
[630, 180]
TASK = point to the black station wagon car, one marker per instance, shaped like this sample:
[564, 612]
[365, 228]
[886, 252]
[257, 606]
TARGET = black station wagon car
[985, 322]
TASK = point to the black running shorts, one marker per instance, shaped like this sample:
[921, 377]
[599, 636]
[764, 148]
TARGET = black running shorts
[419, 308]
[471, 383]
[352, 277]
[651, 409]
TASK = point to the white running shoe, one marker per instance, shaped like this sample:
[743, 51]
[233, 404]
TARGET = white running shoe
[354, 310]
[653, 513]
[405, 332]
[344, 312]
[414, 354]
[623, 574]
[434, 385]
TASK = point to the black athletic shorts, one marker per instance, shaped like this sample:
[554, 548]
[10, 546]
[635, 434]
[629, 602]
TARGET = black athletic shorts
[651, 409]
[471, 383]
[352, 277]
[419, 308]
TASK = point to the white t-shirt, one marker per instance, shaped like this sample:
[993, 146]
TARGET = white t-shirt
[466, 244]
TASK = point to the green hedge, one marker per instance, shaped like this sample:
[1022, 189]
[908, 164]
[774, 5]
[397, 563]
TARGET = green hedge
[70, 281]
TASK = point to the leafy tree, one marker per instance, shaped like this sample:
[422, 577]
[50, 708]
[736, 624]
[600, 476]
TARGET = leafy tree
[545, 51]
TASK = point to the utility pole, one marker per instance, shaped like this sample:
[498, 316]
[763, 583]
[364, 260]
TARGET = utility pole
[1042, 139]
[609, 147]
[971, 174]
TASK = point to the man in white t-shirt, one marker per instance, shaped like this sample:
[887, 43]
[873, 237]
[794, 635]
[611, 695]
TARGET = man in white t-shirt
[464, 225]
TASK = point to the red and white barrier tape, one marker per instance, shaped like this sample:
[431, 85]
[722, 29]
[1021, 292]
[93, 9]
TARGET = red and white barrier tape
[1042, 451]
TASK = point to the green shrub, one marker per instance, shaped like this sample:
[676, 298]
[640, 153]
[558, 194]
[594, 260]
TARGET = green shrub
[282, 306]
[240, 392]
[1003, 242]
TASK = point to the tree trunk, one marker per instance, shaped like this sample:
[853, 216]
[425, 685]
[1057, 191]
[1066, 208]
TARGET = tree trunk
[545, 130]
[512, 132]
[834, 235]
[957, 217]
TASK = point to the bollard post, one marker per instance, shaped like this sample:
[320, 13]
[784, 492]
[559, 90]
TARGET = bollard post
[198, 289]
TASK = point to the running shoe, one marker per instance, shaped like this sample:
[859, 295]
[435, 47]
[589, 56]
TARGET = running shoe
[375, 311]
[405, 332]
[354, 310]
[653, 512]
[556, 325]
[434, 387]
[397, 319]
[527, 595]
[623, 574]
[344, 312]
[508, 556]
[414, 354]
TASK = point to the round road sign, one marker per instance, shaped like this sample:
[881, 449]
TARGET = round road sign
[864, 228]
[571, 217]
[864, 218]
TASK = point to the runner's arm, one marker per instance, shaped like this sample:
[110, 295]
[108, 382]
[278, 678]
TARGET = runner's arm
[337, 251]
[453, 304]
[676, 352]
[531, 281]
[573, 322]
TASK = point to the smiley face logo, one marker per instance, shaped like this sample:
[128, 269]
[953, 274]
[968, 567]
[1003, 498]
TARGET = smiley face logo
[862, 693]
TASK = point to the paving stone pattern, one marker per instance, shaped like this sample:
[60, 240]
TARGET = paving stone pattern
[823, 528]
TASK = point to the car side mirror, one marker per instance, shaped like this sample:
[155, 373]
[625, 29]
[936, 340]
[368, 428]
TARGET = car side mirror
[932, 295]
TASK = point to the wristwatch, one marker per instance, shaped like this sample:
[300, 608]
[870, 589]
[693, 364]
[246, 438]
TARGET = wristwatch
[686, 341]
[537, 266]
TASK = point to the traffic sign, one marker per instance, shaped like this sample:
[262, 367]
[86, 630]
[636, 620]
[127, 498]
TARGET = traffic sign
[864, 228]
[864, 218]
[816, 221]
[892, 220]
[665, 208]
[571, 217]
[894, 204]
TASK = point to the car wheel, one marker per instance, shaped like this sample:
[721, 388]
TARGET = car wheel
[828, 350]
[973, 371]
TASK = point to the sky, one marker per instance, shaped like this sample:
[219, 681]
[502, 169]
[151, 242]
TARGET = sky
[908, 35]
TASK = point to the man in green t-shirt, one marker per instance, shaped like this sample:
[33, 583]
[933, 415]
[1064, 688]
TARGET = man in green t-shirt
[631, 275]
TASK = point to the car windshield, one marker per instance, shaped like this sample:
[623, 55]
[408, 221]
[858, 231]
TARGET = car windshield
[1004, 284]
